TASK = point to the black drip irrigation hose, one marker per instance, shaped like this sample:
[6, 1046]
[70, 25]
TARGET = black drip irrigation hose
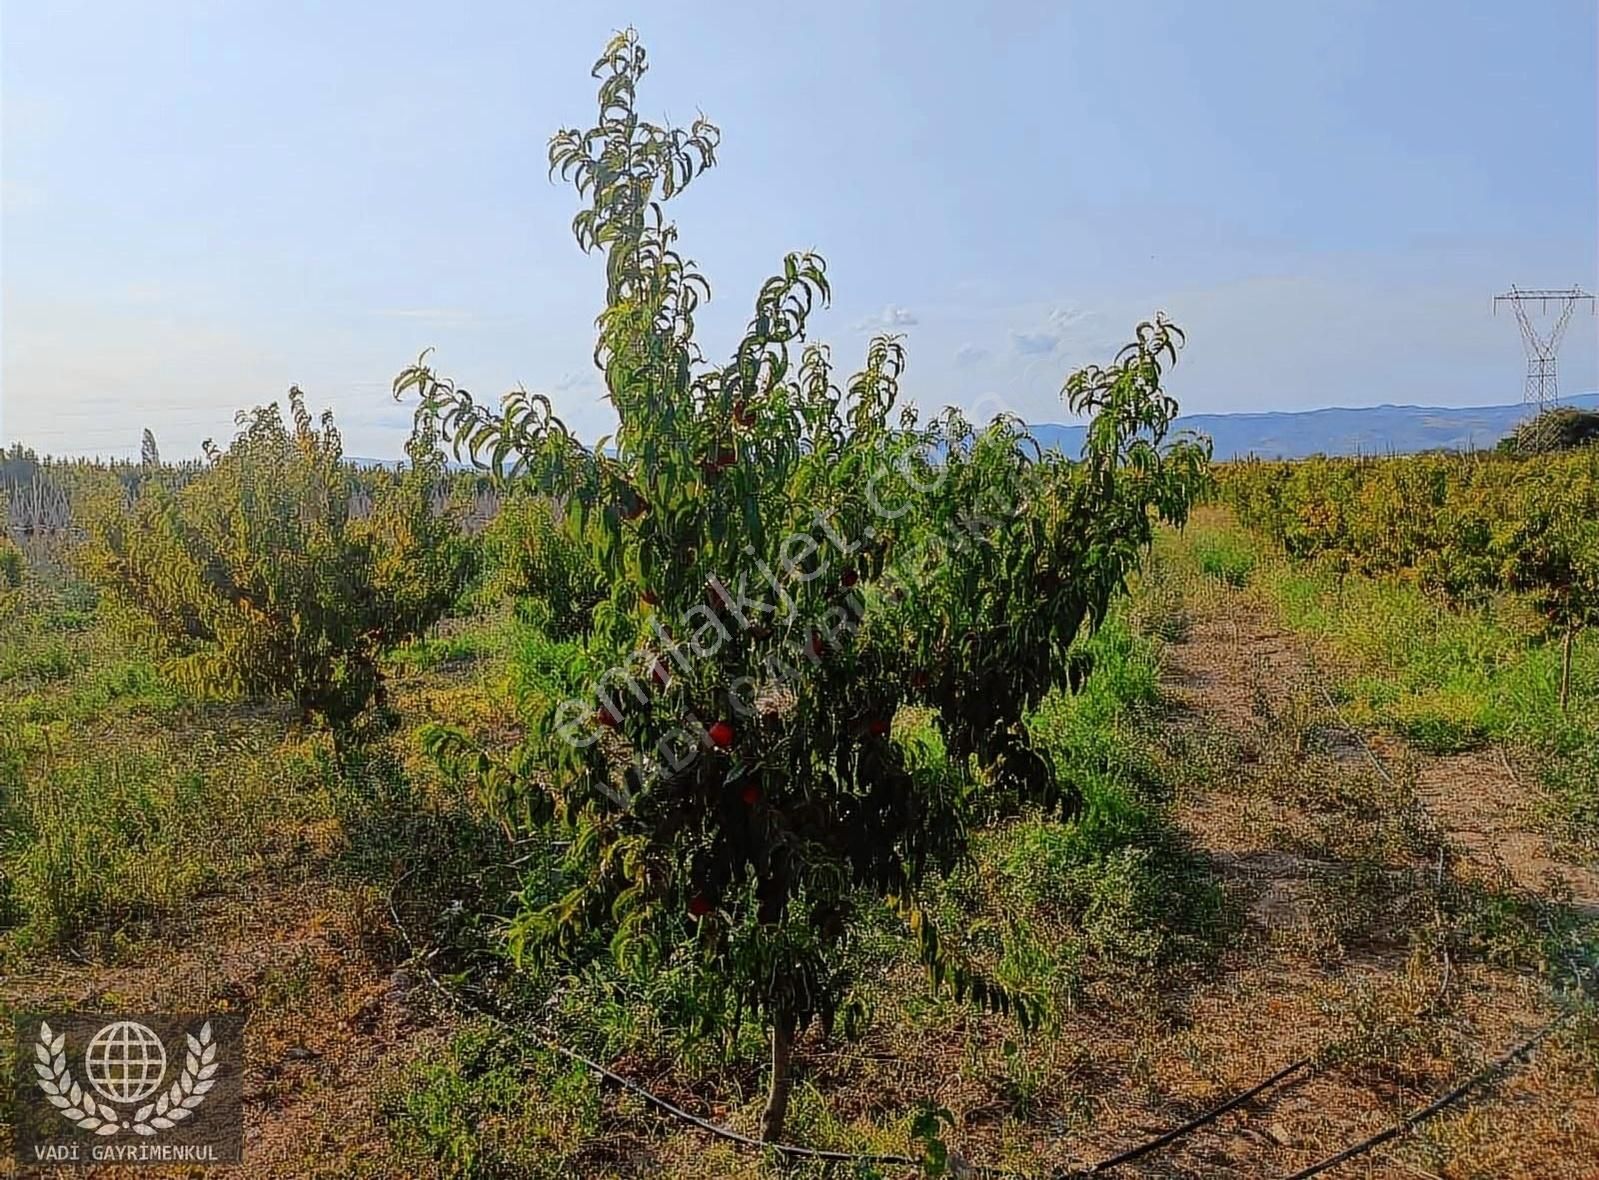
[1415, 1118]
[960, 1168]
[794, 1150]
[791, 1150]
[1210, 1116]
[1437, 1105]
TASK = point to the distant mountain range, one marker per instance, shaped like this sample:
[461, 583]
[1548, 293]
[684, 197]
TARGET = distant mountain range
[1363, 430]
[1358, 430]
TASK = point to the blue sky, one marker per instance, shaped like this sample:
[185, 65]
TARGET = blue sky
[206, 202]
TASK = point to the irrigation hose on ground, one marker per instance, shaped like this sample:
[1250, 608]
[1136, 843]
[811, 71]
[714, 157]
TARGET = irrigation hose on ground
[793, 1150]
[1437, 1105]
[960, 1168]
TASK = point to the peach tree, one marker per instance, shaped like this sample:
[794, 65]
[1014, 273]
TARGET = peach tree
[1549, 549]
[259, 579]
[789, 558]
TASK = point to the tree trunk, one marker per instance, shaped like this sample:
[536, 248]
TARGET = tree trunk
[782, 1081]
[1565, 669]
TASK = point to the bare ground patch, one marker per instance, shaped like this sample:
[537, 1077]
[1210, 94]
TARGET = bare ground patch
[330, 1013]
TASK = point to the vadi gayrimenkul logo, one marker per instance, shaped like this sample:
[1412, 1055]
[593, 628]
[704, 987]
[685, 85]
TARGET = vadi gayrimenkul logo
[125, 1089]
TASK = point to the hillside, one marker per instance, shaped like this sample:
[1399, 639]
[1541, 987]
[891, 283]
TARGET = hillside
[1340, 430]
[1334, 430]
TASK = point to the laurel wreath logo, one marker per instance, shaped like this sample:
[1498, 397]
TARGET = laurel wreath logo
[178, 1103]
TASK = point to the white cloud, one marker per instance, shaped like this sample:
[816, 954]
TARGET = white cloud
[1062, 328]
[572, 381]
[1064, 319]
[1033, 343]
[970, 354]
[892, 316]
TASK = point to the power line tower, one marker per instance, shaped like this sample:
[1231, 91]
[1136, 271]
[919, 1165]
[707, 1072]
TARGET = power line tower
[1543, 384]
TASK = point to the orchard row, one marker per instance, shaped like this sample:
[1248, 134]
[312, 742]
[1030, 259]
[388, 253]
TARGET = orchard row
[1464, 527]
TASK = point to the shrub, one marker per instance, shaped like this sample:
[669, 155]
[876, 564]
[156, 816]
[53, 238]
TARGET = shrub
[529, 557]
[1226, 557]
[259, 578]
[1136, 892]
[1559, 429]
[10, 564]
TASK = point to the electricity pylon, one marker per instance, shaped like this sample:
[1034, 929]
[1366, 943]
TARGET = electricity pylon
[1543, 384]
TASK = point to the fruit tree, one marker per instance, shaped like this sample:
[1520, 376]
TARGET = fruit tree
[789, 560]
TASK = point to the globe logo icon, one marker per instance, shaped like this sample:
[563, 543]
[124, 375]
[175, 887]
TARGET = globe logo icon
[125, 1061]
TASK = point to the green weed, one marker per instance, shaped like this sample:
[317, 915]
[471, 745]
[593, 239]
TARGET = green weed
[1118, 884]
[1570, 804]
[484, 1107]
[126, 831]
[1227, 555]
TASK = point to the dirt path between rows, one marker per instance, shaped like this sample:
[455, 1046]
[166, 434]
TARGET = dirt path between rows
[1324, 951]
[1481, 801]
[1236, 663]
